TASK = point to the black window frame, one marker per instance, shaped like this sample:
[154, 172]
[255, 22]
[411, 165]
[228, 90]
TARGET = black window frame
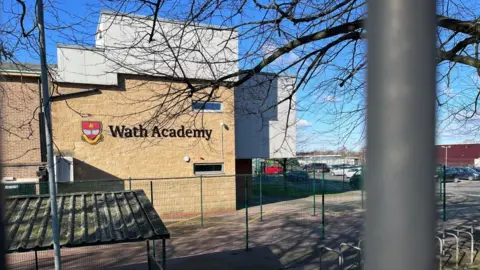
[213, 172]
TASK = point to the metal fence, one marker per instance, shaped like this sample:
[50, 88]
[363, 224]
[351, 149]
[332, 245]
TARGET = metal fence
[209, 214]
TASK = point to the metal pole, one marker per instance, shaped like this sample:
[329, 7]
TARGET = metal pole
[246, 213]
[400, 134]
[130, 183]
[362, 186]
[148, 255]
[323, 204]
[36, 260]
[444, 194]
[314, 183]
[48, 137]
[151, 197]
[164, 254]
[446, 156]
[201, 200]
[261, 200]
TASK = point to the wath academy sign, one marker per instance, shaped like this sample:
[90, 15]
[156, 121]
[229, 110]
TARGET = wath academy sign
[92, 132]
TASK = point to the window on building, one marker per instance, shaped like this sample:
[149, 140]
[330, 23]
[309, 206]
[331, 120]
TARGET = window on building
[207, 106]
[211, 168]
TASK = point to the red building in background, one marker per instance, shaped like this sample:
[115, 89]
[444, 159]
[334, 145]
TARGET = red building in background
[458, 154]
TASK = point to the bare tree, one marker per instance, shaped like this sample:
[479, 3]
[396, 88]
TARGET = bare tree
[320, 42]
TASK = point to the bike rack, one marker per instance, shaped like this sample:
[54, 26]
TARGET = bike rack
[358, 249]
[472, 241]
[440, 241]
[340, 256]
[441, 245]
[444, 233]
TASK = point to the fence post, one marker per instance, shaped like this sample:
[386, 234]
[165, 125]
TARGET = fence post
[151, 197]
[343, 175]
[201, 199]
[313, 191]
[444, 194]
[246, 213]
[36, 260]
[148, 255]
[130, 183]
[323, 204]
[261, 199]
[361, 184]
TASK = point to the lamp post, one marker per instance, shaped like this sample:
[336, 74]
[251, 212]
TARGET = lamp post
[446, 153]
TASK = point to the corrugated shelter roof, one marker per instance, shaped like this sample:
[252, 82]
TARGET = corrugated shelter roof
[85, 219]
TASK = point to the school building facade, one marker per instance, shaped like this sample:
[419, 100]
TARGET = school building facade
[115, 120]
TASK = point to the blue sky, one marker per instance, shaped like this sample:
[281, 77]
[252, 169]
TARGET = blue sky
[314, 131]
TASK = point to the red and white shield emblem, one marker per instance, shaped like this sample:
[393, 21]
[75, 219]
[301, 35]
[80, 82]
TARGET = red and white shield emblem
[92, 131]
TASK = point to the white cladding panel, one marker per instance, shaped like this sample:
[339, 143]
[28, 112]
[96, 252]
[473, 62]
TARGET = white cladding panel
[264, 129]
[122, 45]
[83, 65]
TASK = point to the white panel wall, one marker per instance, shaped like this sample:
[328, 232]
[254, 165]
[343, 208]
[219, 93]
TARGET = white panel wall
[263, 129]
[122, 45]
[83, 65]
[202, 53]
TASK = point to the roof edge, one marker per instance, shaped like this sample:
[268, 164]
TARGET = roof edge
[146, 17]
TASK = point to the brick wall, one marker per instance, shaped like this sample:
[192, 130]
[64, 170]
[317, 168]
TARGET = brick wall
[121, 158]
[20, 151]
[118, 159]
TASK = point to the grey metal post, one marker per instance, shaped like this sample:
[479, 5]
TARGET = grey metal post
[48, 137]
[444, 195]
[148, 256]
[261, 199]
[164, 254]
[201, 200]
[400, 134]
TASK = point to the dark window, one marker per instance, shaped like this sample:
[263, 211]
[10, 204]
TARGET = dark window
[207, 106]
[208, 168]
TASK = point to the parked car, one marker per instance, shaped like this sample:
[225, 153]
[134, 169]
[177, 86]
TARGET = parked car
[273, 170]
[355, 180]
[467, 174]
[352, 171]
[297, 176]
[451, 175]
[340, 170]
[337, 166]
[476, 169]
[317, 167]
[456, 174]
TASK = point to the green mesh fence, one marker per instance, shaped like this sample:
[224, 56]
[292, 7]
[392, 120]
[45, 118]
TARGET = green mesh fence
[208, 214]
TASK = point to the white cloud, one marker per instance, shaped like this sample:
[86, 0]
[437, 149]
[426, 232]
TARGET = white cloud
[331, 99]
[286, 59]
[303, 123]
[268, 48]
[445, 90]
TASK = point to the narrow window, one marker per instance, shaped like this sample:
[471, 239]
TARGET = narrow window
[211, 168]
[207, 106]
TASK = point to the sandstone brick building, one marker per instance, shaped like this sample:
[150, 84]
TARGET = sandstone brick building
[116, 120]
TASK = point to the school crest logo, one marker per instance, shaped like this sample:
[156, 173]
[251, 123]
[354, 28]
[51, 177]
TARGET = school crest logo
[92, 132]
